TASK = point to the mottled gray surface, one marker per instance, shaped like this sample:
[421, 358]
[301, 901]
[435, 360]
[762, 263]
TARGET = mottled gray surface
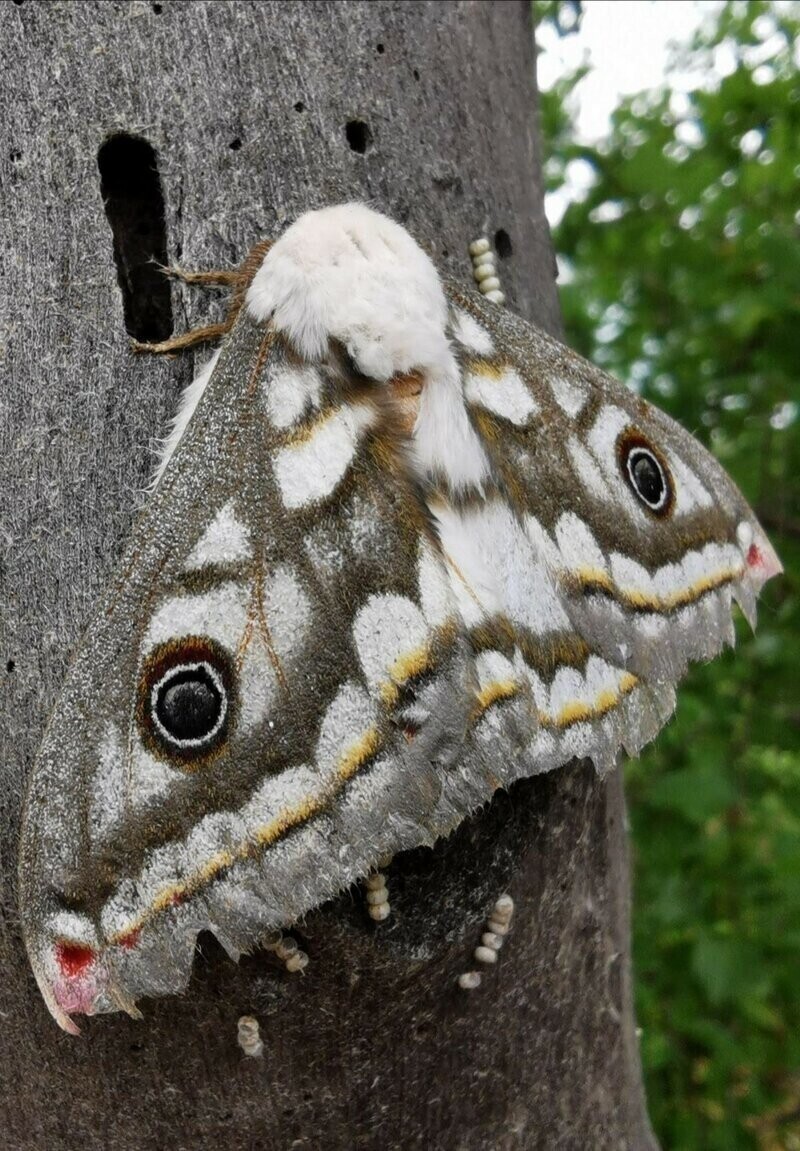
[374, 1047]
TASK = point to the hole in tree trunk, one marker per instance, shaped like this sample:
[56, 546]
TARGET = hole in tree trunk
[134, 205]
[359, 135]
[502, 242]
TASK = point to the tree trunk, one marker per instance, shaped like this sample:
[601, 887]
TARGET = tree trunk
[247, 106]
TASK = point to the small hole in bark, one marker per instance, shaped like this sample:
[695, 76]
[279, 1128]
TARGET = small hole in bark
[502, 243]
[379, 48]
[415, 74]
[10, 666]
[359, 135]
[299, 106]
[134, 205]
[18, 2]
[158, 9]
[137, 1047]
[15, 156]
[235, 145]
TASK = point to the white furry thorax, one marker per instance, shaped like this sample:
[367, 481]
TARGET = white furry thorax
[348, 273]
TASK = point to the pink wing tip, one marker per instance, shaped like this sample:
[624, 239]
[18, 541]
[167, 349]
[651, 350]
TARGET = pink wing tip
[762, 559]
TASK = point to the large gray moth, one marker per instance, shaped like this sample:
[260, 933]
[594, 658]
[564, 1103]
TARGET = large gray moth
[402, 550]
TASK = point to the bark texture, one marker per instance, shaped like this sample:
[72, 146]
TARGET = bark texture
[247, 106]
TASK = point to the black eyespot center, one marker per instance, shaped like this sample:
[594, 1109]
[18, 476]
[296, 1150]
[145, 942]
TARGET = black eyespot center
[189, 703]
[647, 473]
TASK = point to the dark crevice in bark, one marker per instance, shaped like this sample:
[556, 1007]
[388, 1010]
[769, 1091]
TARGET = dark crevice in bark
[134, 204]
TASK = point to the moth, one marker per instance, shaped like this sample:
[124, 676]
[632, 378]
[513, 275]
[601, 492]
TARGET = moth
[403, 549]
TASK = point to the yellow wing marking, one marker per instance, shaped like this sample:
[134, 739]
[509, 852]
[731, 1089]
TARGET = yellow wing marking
[404, 668]
[494, 692]
[578, 711]
[489, 369]
[591, 579]
[575, 711]
[359, 753]
[306, 431]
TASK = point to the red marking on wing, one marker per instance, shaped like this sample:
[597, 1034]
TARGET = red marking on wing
[74, 958]
[131, 939]
[754, 557]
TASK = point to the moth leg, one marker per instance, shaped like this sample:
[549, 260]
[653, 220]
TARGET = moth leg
[213, 277]
[492, 940]
[238, 279]
[190, 339]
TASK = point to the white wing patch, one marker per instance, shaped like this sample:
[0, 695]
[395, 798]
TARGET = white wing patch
[351, 714]
[469, 333]
[310, 469]
[580, 551]
[690, 494]
[631, 578]
[569, 396]
[435, 594]
[502, 393]
[287, 610]
[587, 470]
[291, 394]
[495, 568]
[226, 540]
[258, 684]
[475, 588]
[392, 639]
[220, 614]
[147, 777]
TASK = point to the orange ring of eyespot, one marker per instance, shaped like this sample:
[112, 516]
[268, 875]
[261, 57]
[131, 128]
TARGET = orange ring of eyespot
[172, 655]
[629, 440]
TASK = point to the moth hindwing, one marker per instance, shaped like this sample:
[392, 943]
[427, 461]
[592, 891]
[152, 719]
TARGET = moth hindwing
[403, 549]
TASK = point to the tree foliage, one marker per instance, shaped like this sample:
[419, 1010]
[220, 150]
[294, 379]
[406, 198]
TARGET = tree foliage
[681, 275]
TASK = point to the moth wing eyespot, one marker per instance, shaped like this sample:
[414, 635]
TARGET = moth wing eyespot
[186, 695]
[646, 472]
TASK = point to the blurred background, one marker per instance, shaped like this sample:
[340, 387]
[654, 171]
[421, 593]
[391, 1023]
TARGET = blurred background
[672, 136]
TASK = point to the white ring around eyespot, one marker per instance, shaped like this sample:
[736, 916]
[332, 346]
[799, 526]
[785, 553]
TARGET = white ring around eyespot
[638, 450]
[214, 676]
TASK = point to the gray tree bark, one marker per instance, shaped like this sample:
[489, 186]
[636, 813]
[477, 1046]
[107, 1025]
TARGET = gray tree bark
[247, 106]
